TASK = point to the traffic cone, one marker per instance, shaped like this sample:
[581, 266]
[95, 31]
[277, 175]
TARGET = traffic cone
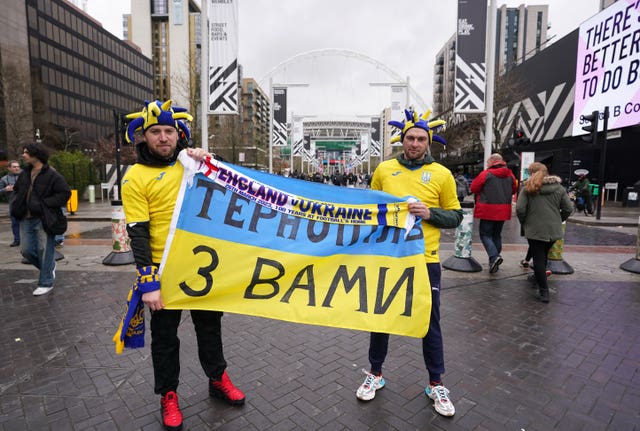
[462, 259]
[555, 262]
[121, 254]
[633, 264]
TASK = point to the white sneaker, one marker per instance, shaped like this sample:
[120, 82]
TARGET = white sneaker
[42, 290]
[441, 402]
[368, 388]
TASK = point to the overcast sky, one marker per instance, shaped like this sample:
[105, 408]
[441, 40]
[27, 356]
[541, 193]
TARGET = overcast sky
[404, 36]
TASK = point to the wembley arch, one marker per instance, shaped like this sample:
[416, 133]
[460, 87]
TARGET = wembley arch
[414, 97]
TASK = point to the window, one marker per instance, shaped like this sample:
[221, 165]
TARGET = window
[538, 31]
[159, 7]
[178, 18]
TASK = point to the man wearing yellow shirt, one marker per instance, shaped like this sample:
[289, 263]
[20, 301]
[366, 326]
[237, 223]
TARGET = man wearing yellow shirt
[415, 173]
[149, 192]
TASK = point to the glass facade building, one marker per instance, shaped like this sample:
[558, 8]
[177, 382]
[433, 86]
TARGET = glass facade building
[78, 73]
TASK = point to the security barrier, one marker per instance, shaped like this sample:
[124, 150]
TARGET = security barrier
[555, 262]
[462, 259]
[72, 203]
[121, 254]
[633, 264]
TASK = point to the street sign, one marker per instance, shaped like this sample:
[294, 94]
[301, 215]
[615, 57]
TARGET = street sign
[614, 134]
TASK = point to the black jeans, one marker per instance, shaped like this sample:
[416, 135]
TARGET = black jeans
[539, 251]
[165, 346]
[432, 345]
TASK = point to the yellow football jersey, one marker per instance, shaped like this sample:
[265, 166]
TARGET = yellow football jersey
[431, 183]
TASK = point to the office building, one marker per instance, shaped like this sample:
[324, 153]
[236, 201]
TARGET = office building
[255, 109]
[521, 33]
[63, 76]
[444, 71]
[168, 32]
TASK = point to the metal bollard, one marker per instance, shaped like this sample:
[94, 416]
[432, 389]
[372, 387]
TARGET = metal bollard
[555, 262]
[633, 265]
[121, 254]
[91, 190]
[462, 259]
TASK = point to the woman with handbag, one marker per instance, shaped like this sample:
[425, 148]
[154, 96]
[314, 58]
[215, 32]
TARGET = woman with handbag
[39, 193]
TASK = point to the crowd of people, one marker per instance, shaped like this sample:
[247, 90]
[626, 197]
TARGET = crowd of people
[337, 178]
[36, 191]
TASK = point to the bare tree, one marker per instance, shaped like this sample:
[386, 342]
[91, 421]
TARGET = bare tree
[465, 132]
[105, 152]
[226, 142]
[187, 88]
[509, 90]
[16, 93]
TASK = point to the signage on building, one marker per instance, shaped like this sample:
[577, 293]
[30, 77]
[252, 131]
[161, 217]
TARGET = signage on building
[470, 81]
[399, 101]
[375, 136]
[608, 67]
[526, 158]
[297, 135]
[614, 134]
[279, 137]
[223, 57]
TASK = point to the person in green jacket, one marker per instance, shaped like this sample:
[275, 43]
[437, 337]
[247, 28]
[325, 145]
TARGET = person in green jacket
[541, 208]
[583, 190]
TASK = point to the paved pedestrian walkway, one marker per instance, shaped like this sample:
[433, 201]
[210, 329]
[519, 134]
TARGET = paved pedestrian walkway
[512, 363]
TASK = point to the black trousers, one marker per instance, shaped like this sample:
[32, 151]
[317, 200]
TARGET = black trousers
[165, 346]
[539, 251]
[432, 344]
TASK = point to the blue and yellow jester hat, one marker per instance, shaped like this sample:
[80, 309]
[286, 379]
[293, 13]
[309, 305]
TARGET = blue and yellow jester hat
[157, 113]
[413, 120]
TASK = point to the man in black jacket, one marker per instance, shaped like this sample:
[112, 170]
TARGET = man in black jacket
[39, 189]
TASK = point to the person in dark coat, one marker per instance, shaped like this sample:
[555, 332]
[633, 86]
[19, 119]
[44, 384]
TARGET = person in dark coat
[541, 208]
[6, 188]
[583, 189]
[39, 188]
[494, 188]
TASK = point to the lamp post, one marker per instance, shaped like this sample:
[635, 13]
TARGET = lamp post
[404, 84]
[294, 119]
[603, 163]
[370, 141]
[272, 87]
[394, 112]
[490, 62]
[204, 76]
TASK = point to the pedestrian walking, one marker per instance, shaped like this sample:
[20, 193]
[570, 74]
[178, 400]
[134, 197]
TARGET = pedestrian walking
[494, 188]
[462, 186]
[6, 189]
[415, 173]
[582, 187]
[39, 191]
[149, 192]
[541, 208]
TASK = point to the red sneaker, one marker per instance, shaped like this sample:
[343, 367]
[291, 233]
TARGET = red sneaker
[225, 390]
[171, 414]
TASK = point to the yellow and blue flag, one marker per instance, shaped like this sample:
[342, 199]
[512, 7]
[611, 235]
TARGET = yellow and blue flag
[248, 242]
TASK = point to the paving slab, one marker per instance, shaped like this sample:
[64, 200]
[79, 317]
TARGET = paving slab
[512, 362]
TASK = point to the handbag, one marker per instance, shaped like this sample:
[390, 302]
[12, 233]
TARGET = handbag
[54, 222]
